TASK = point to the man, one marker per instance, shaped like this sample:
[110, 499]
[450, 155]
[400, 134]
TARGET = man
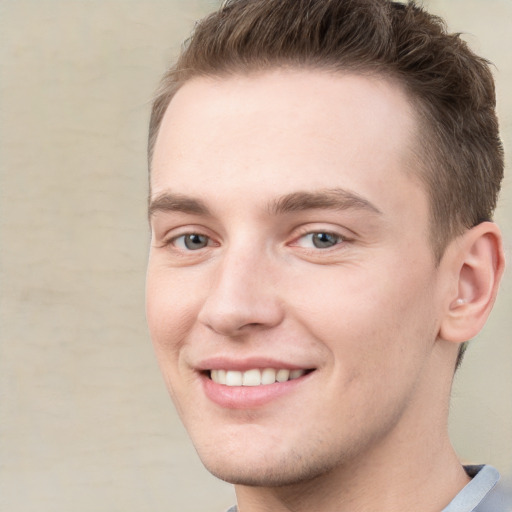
[323, 175]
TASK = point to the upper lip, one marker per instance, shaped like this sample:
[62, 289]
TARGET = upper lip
[244, 364]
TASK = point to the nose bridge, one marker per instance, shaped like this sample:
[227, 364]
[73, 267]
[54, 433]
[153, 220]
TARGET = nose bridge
[241, 292]
[240, 264]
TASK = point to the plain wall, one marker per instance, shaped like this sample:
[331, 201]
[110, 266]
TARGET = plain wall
[85, 421]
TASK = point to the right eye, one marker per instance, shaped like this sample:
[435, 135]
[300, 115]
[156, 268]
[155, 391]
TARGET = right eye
[191, 242]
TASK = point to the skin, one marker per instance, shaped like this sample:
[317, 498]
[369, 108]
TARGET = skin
[372, 315]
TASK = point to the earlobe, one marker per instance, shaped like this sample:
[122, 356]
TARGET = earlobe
[478, 264]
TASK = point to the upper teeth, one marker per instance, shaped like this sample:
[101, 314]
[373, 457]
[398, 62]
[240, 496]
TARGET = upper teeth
[254, 377]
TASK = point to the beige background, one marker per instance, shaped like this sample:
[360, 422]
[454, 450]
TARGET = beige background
[85, 421]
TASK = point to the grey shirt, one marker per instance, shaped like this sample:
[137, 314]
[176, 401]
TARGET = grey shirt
[482, 494]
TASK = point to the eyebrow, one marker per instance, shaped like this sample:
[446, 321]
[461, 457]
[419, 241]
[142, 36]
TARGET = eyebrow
[330, 199]
[172, 202]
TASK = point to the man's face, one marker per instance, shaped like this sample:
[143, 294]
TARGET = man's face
[290, 242]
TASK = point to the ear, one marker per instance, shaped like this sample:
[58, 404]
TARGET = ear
[477, 263]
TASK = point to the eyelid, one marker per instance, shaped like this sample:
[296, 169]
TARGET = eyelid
[170, 235]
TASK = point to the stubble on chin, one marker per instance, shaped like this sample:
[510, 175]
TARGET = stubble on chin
[281, 470]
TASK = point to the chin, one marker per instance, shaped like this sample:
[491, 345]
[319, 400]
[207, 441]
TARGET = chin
[268, 476]
[262, 470]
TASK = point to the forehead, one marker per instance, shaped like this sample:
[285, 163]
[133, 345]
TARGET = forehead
[300, 129]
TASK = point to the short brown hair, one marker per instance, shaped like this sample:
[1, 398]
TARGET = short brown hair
[452, 88]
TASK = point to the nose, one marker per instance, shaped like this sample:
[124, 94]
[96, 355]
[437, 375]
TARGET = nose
[242, 296]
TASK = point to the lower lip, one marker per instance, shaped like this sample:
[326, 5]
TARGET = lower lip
[248, 397]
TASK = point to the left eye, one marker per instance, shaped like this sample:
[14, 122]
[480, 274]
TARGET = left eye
[320, 240]
[191, 242]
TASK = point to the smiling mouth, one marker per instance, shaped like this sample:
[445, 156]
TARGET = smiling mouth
[255, 377]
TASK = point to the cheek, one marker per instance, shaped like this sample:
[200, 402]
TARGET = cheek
[368, 320]
[170, 317]
[378, 336]
[170, 311]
